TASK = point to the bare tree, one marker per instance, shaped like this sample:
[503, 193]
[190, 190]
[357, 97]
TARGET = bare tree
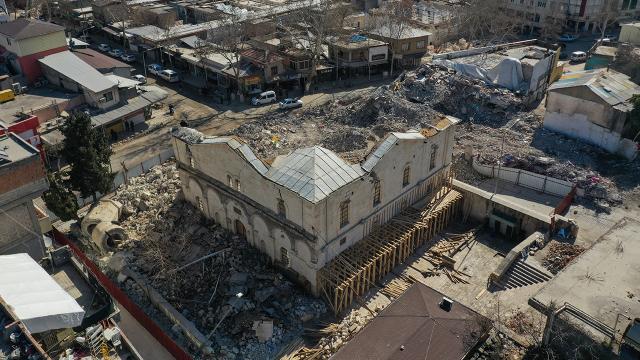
[555, 23]
[228, 38]
[489, 21]
[393, 22]
[310, 26]
[608, 13]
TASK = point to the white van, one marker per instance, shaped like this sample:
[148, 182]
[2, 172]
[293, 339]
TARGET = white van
[169, 75]
[578, 56]
[266, 97]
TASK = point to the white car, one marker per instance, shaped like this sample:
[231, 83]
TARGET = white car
[266, 97]
[128, 57]
[139, 78]
[104, 47]
[290, 103]
[578, 56]
[169, 75]
[155, 69]
[116, 53]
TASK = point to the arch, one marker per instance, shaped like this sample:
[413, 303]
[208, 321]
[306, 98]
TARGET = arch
[236, 211]
[215, 204]
[196, 197]
[261, 232]
[239, 228]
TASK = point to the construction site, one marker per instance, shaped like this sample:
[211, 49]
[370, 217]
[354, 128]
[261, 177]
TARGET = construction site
[183, 240]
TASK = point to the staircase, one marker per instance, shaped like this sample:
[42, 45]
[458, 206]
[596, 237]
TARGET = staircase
[522, 274]
[97, 343]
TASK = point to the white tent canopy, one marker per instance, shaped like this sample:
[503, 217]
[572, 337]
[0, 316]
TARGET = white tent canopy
[34, 297]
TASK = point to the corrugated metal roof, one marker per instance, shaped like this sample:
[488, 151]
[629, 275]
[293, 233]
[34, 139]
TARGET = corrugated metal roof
[611, 86]
[69, 65]
[137, 103]
[313, 172]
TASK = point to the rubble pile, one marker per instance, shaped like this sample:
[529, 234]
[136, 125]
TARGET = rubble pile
[560, 255]
[498, 346]
[236, 287]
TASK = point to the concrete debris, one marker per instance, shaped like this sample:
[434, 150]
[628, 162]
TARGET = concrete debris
[560, 255]
[189, 135]
[170, 234]
[263, 329]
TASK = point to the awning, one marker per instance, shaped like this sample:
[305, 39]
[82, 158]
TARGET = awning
[34, 297]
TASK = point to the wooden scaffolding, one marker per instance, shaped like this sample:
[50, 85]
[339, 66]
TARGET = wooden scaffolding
[350, 274]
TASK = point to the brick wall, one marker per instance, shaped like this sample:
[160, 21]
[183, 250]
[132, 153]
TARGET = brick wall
[24, 173]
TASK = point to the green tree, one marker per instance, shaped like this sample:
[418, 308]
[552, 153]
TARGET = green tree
[87, 151]
[60, 199]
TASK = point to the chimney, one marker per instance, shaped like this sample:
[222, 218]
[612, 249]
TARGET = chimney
[446, 304]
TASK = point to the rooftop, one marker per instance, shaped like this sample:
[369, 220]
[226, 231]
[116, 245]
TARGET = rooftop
[407, 33]
[151, 95]
[261, 56]
[313, 172]
[611, 86]
[74, 68]
[98, 60]
[28, 28]
[14, 149]
[416, 327]
[357, 42]
[606, 50]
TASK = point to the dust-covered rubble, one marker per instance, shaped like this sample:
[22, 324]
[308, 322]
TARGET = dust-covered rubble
[235, 288]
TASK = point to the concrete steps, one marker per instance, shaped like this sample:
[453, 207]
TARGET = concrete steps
[522, 274]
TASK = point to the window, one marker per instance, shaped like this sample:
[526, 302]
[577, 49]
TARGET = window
[314, 258]
[376, 192]
[344, 213]
[406, 176]
[230, 181]
[190, 156]
[282, 210]
[536, 18]
[378, 57]
[238, 185]
[432, 159]
[420, 44]
[542, 4]
[284, 257]
[200, 204]
[343, 241]
[405, 47]
[108, 96]
[274, 70]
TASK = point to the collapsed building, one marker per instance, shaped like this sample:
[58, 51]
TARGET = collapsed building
[304, 208]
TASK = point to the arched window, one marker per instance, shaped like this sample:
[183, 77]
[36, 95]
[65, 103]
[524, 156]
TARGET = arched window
[376, 192]
[406, 176]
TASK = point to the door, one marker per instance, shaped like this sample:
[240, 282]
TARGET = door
[240, 229]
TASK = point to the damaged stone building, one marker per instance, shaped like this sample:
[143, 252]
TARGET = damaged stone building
[304, 208]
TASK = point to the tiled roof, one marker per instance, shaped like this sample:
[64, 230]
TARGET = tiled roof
[28, 28]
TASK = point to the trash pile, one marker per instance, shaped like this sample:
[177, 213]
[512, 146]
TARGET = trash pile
[560, 255]
[215, 280]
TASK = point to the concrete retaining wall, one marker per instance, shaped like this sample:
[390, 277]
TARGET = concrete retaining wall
[531, 180]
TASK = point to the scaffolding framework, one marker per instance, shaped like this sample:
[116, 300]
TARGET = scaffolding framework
[352, 273]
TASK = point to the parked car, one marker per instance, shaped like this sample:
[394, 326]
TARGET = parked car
[169, 75]
[128, 57]
[578, 56]
[116, 53]
[104, 47]
[155, 69]
[290, 103]
[139, 78]
[266, 97]
[568, 37]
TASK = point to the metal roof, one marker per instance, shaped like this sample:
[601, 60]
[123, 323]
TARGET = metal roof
[611, 86]
[69, 65]
[313, 172]
[416, 327]
[137, 103]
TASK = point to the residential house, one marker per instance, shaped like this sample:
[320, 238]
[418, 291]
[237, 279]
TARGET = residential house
[22, 179]
[358, 54]
[407, 46]
[305, 208]
[593, 106]
[68, 71]
[270, 63]
[24, 41]
[160, 15]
